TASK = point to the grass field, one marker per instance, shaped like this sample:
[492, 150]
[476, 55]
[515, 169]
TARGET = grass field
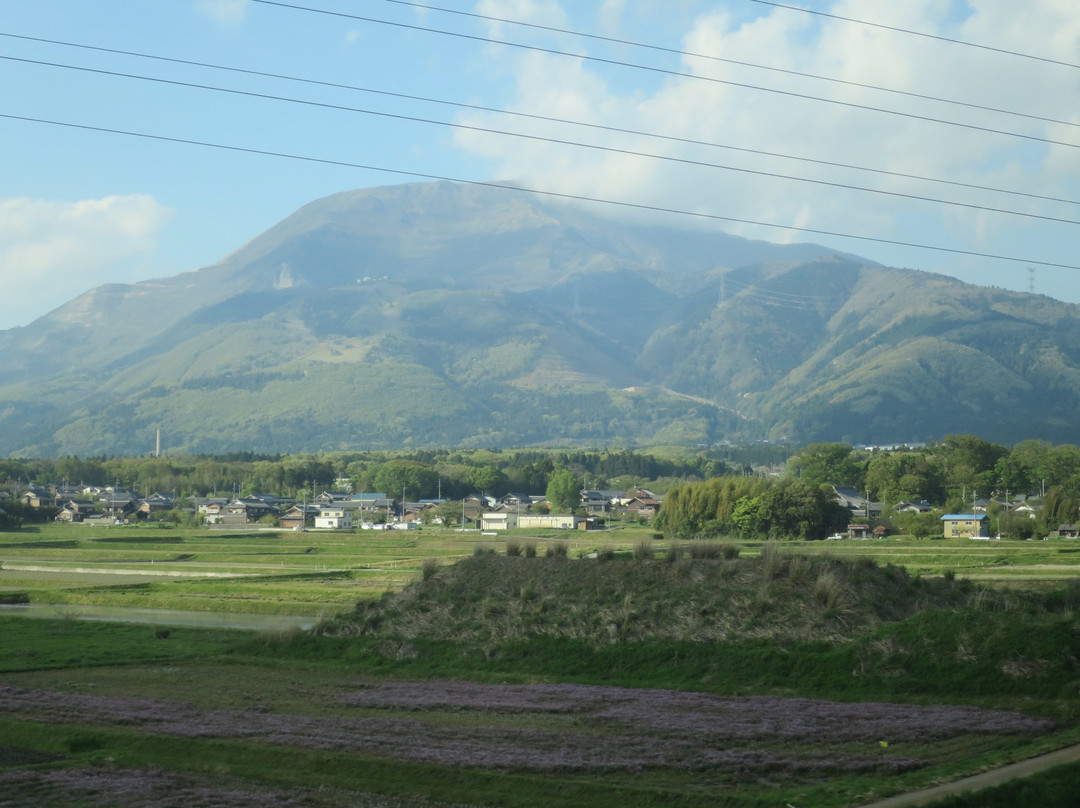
[95, 714]
[322, 573]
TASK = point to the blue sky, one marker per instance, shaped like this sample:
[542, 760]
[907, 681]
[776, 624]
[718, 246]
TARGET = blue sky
[79, 208]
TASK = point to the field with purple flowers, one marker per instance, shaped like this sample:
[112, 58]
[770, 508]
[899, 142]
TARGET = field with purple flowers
[256, 734]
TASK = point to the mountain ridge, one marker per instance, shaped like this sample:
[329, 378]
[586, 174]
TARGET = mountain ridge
[440, 314]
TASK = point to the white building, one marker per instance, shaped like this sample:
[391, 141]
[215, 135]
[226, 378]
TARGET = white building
[334, 518]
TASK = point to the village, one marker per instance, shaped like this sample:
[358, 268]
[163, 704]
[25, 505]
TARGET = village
[344, 510]
[334, 510]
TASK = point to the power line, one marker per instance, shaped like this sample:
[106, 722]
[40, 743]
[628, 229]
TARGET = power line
[545, 118]
[725, 60]
[916, 33]
[540, 192]
[675, 73]
[546, 139]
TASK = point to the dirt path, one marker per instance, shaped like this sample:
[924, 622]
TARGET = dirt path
[996, 777]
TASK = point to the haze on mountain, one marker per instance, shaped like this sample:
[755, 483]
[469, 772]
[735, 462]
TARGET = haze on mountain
[438, 314]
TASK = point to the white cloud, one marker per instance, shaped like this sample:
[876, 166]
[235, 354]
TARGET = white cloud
[535, 12]
[721, 113]
[51, 251]
[227, 12]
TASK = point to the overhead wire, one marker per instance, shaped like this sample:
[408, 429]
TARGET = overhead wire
[637, 206]
[579, 197]
[725, 60]
[546, 139]
[537, 117]
[924, 34]
[674, 73]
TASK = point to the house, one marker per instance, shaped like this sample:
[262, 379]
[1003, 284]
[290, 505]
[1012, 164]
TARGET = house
[245, 509]
[117, 503]
[1066, 532]
[858, 531]
[76, 510]
[328, 497]
[156, 503]
[38, 496]
[855, 502]
[332, 517]
[515, 500]
[299, 517]
[642, 505]
[598, 500]
[1023, 508]
[971, 525]
[910, 506]
[472, 507]
[212, 509]
[371, 503]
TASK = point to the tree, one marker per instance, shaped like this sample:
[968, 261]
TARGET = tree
[449, 511]
[564, 490]
[488, 479]
[1059, 508]
[827, 463]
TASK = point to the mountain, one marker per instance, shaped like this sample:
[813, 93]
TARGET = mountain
[441, 314]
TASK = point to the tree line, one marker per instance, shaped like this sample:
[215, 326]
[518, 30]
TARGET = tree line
[421, 474]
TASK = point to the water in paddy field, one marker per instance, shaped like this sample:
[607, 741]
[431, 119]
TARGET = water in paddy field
[162, 617]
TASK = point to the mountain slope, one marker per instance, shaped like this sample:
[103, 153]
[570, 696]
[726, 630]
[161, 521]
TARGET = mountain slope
[440, 314]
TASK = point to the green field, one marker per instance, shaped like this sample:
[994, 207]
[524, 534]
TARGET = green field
[95, 714]
[321, 573]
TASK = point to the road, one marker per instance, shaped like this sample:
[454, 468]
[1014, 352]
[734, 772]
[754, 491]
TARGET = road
[995, 777]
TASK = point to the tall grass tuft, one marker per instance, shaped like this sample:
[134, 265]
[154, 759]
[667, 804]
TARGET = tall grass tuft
[1071, 598]
[729, 551]
[800, 568]
[772, 560]
[558, 549]
[428, 568]
[674, 552]
[644, 551]
[530, 549]
[828, 591]
[513, 548]
[705, 550]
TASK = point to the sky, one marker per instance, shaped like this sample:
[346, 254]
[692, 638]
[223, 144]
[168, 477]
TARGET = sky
[913, 125]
